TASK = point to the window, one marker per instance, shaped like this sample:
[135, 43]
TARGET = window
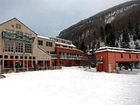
[25, 57]
[121, 55]
[21, 57]
[8, 45]
[30, 57]
[28, 48]
[49, 44]
[18, 26]
[1, 56]
[40, 42]
[16, 57]
[19, 47]
[63, 41]
[137, 56]
[6, 56]
[11, 57]
[33, 57]
[12, 26]
[129, 55]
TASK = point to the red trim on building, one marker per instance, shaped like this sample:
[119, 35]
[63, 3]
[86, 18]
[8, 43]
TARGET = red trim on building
[69, 60]
[108, 60]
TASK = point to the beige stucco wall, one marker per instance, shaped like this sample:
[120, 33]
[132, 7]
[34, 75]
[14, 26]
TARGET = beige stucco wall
[47, 48]
[39, 54]
[8, 25]
[0, 42]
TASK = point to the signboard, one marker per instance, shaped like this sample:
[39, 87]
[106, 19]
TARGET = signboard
[15, 36]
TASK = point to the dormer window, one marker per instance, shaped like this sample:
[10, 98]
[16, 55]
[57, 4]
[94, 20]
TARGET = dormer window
[12, 26]
[18, 26]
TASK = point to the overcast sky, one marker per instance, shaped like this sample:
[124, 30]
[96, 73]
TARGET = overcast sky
[49, 17]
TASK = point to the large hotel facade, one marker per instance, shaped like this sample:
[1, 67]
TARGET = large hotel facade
[22, 49]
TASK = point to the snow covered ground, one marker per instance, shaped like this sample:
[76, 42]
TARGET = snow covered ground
[70, 86]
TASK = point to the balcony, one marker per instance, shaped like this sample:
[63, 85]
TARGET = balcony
[72, 57]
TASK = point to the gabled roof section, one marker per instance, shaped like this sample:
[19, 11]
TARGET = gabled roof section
[18, 21]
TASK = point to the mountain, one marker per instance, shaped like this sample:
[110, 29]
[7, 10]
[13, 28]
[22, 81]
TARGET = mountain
[118, 26]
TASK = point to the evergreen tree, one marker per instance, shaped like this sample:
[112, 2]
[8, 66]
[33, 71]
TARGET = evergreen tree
[98, 45]
[110, 40]
[130, 27]
[110, 37]
[82, 46]
[108, 28]
[137, 31]
[125, 40]
[137, 45]
[102, 33]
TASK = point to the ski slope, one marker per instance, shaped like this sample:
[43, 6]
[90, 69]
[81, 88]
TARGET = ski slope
[70, 86]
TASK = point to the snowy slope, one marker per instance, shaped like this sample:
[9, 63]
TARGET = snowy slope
[111, 16]
[70, 86]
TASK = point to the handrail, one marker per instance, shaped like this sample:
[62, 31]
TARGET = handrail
[43, 50]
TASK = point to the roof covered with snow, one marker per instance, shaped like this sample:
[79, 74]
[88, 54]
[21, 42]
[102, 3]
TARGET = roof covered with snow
[60, 39]
[64, 44]
[116, 49]
[44, 37]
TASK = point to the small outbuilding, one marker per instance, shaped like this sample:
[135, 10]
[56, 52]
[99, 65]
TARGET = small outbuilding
[110, 59]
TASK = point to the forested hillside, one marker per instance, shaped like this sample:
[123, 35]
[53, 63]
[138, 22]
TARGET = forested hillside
[118, 26]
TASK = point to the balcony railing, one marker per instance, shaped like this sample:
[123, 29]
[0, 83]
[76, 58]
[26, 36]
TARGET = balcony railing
[72, 57]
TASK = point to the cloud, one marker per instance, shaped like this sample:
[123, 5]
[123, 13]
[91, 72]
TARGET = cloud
[52, 16]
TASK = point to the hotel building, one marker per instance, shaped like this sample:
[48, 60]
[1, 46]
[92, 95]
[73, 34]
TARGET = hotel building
[23, 49]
